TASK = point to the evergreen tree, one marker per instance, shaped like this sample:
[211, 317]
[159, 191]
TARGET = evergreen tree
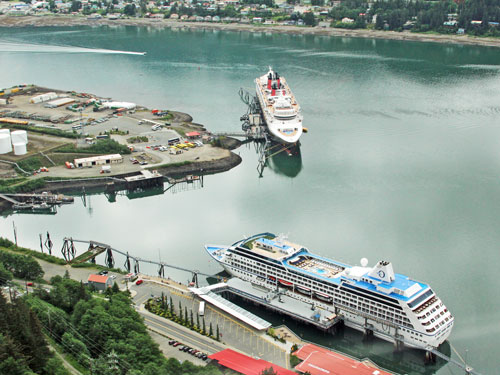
[218, 333]
[210, 331]
[186, 315]
[203, 330]
[191, 319]
[171, 306]
[197, 321]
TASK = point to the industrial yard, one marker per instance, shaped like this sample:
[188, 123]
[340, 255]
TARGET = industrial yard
[60, 127]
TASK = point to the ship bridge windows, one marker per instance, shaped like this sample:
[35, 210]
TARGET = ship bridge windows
[420, 299]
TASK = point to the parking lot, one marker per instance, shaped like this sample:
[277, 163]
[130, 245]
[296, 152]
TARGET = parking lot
[120, 124]
[233, 333]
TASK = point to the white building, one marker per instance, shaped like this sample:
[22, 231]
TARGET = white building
[98, 160]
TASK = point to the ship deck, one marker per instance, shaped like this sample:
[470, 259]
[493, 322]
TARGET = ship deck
[331, 271]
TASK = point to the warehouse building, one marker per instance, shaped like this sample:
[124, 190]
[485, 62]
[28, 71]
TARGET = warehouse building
[98, 160]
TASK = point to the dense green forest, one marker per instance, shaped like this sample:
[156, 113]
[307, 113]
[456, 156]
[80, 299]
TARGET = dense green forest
[23, 348]
[101, 333]
[421, 15]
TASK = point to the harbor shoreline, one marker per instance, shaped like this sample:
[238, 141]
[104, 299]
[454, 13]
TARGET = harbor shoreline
[197, 168]
[68, 21]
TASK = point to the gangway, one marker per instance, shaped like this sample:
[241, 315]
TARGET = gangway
[468, 370]
[9, 199]
[69, 252]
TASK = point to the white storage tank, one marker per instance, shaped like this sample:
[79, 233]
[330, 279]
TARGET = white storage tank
[5, 145]
[19, 136]
[19, 148]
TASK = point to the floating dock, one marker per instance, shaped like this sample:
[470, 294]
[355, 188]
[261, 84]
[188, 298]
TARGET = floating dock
[144, 180]
[36, 203]
[272, 300]
[283, 304]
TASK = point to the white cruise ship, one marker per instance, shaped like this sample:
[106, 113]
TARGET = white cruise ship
[280, 110]
[392, 306]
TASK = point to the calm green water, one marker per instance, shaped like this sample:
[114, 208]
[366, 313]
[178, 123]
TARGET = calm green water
[401, 162]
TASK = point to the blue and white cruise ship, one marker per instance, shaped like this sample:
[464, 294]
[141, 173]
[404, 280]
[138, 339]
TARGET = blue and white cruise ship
[392, 306]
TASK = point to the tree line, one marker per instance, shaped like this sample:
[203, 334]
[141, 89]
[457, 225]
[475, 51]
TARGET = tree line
[103, 333]
[421, 15]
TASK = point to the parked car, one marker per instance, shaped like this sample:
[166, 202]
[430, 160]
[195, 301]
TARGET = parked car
[172, 342]
[176, 344]
[103, 272]
[182, 348]
[139, 282]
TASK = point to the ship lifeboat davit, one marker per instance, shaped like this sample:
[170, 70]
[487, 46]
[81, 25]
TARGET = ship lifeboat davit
[323, 297]
[285, 283]
[303, 289]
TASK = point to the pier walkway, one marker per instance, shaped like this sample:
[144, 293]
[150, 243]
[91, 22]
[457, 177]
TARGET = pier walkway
[9, 199]
[247, 317]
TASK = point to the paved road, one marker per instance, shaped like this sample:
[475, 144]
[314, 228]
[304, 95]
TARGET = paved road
[185, 336]
[234, 334]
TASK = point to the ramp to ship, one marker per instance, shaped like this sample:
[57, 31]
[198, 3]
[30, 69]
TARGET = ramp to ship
[239, 313]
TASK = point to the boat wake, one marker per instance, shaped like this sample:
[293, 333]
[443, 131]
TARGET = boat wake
[16, 47]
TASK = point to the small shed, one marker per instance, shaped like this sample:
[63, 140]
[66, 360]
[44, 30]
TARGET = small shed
[193, 135]
[100, 282]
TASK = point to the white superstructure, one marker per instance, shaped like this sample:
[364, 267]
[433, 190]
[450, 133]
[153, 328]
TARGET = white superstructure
[280, 110]
[375, 299]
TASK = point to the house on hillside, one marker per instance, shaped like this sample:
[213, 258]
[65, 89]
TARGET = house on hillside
[100, 282]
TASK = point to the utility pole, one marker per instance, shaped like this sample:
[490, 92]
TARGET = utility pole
[15, 232]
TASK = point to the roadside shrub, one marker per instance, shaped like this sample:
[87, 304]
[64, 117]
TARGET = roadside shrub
[21, 266]
[102, 146]
[26, 187]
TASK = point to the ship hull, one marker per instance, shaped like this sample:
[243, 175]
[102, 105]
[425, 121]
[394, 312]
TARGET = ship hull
[351, 317]
[280, 111]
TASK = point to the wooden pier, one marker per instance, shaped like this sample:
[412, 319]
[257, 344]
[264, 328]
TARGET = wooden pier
[44, 202]
[92, 252]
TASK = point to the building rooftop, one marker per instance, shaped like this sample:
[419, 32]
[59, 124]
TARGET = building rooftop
[102, 279]
[246, 365]
[321, 361]
[229, 307]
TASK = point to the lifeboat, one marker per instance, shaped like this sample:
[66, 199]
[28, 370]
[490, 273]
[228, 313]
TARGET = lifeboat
[323, 297]
[303, 289]
[285, 283]
[272, 278]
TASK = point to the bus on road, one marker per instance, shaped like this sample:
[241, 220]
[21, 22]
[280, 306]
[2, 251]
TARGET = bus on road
[201, 309]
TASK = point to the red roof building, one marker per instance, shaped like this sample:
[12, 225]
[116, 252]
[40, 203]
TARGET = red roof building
[192, 134]
[321, 361]
[246, 365]
[100, 282]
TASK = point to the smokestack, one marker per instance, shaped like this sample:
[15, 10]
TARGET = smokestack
[279, 83]
[269, 81]
[273, 92]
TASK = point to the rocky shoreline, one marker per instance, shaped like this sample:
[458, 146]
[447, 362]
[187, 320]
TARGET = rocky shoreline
[64, 20]
[197, 168]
